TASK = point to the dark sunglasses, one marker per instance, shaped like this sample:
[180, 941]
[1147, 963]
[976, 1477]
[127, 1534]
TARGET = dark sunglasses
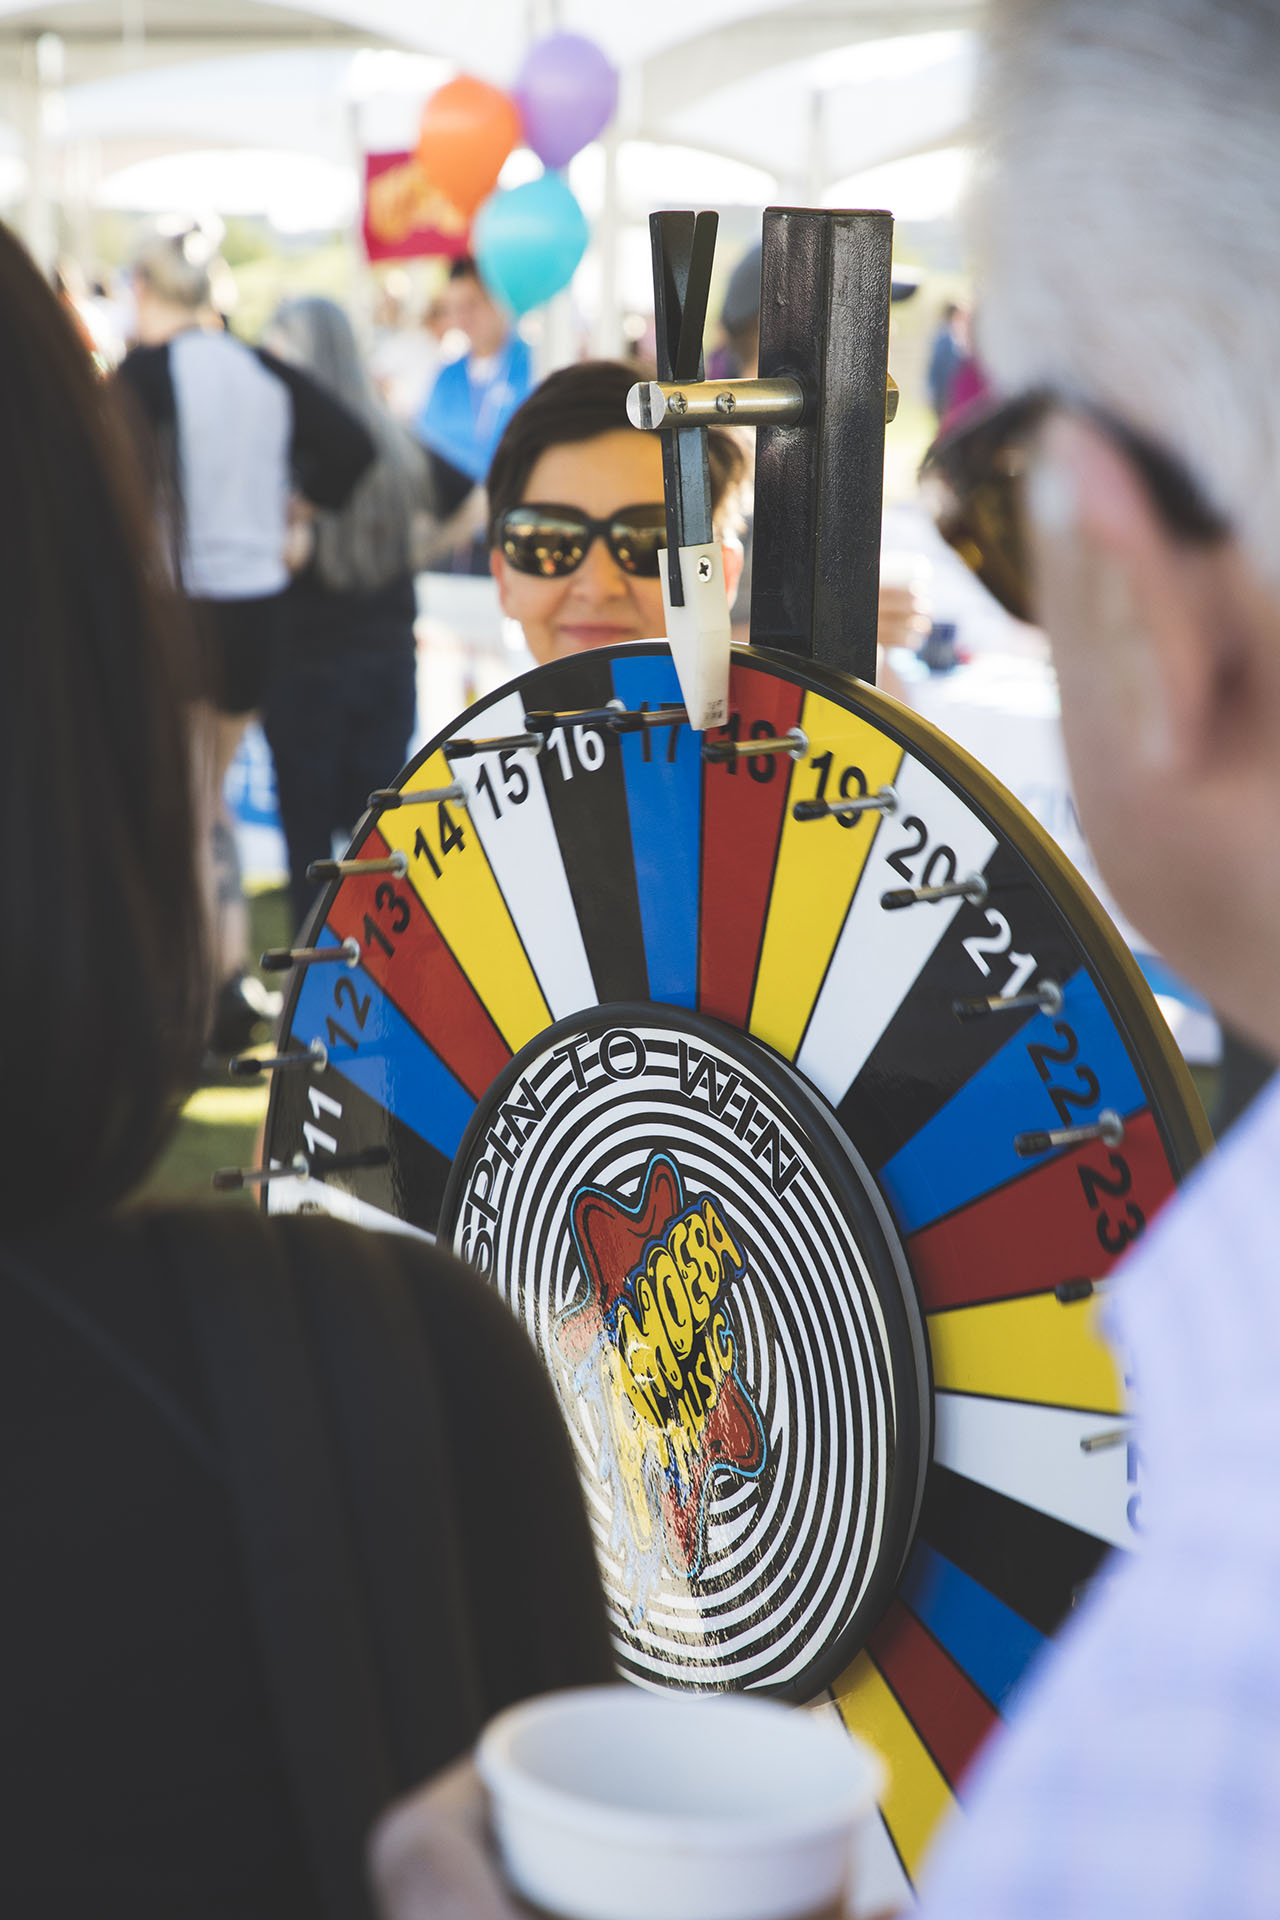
[553, 541]
[975, 473]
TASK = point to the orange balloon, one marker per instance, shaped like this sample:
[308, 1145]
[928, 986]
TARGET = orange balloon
[468, 129]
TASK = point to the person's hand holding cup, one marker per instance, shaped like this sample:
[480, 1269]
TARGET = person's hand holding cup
[612, 1803]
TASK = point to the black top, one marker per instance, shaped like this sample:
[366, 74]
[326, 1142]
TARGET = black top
[142, 1776]
[331, 621]
[330, 446]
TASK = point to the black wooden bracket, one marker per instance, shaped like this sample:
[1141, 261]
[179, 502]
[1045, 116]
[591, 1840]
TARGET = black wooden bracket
[824, 321]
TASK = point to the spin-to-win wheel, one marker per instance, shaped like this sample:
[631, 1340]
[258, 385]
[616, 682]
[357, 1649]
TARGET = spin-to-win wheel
[799, 1140]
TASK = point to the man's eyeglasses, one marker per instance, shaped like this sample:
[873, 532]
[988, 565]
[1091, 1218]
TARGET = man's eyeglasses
[975, 475]
[553, 541]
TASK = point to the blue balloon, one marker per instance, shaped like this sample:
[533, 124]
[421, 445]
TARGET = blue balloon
[528, 241]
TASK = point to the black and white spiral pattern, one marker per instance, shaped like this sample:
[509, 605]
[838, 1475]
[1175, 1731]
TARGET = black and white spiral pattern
[789, 1555]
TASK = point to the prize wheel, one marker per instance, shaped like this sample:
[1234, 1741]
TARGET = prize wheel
[766, 1151]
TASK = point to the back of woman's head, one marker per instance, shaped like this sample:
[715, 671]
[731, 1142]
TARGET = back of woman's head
[367, 543]
[101, 969]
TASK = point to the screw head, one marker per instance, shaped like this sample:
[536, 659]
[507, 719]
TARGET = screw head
[677, 403]
[725, 403]
[705, 568]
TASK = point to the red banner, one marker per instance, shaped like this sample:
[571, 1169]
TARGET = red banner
[406, 217]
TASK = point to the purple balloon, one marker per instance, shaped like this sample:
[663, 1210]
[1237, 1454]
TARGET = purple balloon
[567, 93]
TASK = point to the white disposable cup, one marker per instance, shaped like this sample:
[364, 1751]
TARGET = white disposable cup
[610, 1803]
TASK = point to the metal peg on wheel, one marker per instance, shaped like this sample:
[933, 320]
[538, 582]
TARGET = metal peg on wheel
[884, 800]
[1108, 1127]
[397, 863]
[383, 798]
[280, 959]
[972, 888]
[794, 742]
[251, 1066]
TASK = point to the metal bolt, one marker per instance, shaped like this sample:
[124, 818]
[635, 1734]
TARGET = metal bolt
[677, 403]
[725, 403]
[704, 568]
[1108, 1127]
[972, 888]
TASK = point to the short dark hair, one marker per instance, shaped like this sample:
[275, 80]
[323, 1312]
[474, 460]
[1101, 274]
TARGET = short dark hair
[579, 403]
[102, 971]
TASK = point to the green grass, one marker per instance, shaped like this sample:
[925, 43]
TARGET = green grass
[221, 1124]
[1206, 1084]
[220, 1127]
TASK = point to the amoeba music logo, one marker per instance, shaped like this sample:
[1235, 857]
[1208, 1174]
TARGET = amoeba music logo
[654, 1345]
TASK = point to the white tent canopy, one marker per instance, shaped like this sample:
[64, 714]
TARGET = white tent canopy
[804, 123]
[682, 47]
[695, 70]
[804, 94]
[818, 119]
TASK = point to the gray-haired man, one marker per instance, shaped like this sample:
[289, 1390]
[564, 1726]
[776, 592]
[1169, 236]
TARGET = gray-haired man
[1128, 241]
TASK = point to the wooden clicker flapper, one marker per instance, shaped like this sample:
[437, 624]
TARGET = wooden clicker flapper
[819, 406]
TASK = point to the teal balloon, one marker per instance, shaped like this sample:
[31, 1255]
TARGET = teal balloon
[528, 240]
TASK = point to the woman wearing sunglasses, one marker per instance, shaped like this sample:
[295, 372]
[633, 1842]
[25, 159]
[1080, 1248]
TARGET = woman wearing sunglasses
[576, 520]
[576, 514]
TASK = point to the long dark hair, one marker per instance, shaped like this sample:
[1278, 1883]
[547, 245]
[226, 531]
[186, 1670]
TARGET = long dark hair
[102, 960]
[365, 544]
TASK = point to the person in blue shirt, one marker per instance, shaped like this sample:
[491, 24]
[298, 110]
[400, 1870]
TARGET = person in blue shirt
[947, 354]
[473, 397]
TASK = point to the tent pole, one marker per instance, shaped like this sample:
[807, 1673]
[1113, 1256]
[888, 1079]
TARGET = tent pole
[607, 341]
[42, 71]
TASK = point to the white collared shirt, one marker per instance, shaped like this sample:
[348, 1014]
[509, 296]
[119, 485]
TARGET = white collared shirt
[1140, 1779]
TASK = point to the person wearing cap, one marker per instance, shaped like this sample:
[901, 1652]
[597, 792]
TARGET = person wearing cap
[740, 314]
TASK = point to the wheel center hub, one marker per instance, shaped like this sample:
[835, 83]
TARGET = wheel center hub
[704, 1267]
